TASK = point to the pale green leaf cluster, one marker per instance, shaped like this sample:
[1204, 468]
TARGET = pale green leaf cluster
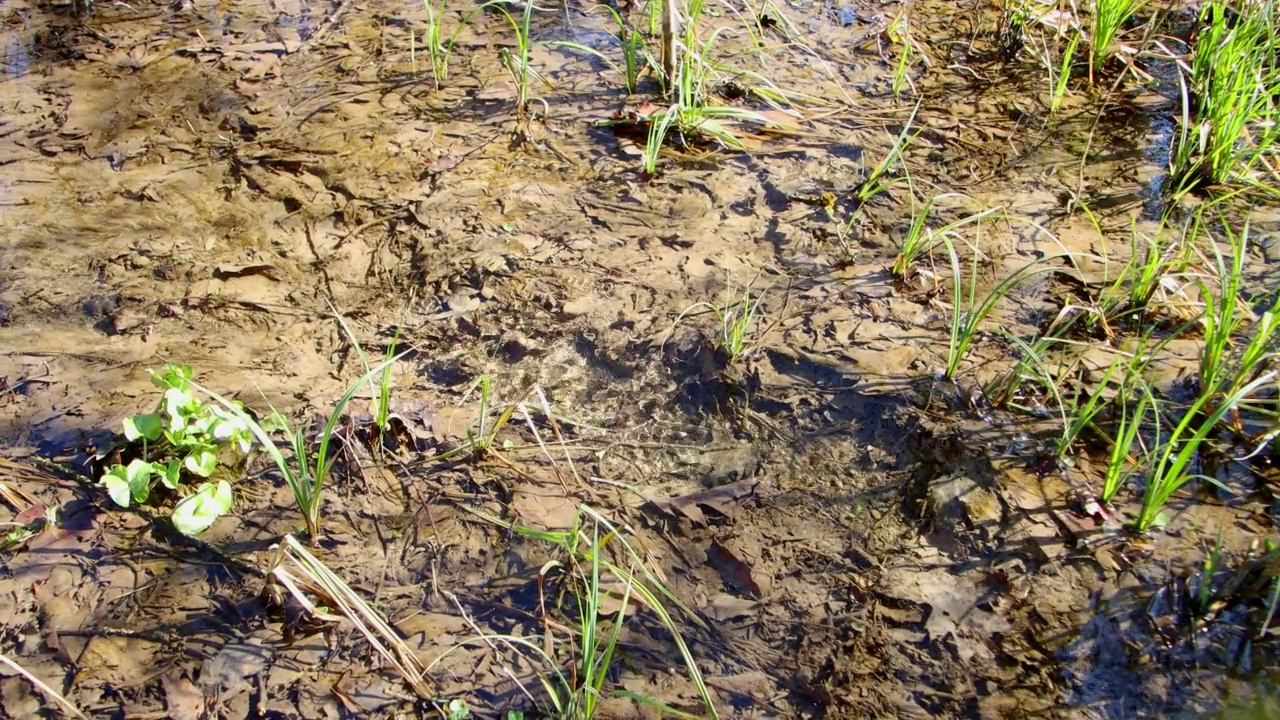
[180, 439]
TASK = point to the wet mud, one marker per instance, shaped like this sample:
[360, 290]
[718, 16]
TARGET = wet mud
[209, 182]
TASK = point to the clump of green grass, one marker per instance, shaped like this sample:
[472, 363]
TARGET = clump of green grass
[968, 313]
[1121, 463]
[380, 386]
[920, 239]
[1226, 364]
[1230, 117]
[635, 53]
[1106, 25]
[1060, 74]
[735, 324]
[899, 33]
[437, 44]
[598, 567]
[1081, 415]
[304, 474]
[689, 74]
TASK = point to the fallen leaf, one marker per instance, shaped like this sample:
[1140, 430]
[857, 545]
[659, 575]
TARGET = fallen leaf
[182, 698]
[725, 500]
[735, 571]
[223, 272]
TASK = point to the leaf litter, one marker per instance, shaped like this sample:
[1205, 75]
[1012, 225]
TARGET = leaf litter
[845, 568]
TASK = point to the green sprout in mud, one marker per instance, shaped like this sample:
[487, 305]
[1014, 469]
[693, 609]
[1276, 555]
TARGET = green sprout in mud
[482, 436]
[899, 32]
[1083, 414]
[1108, 19]
[968, 313]
[920, 240]
[735, 323]
[438, 46]
[635, 55]
[1060, 74]
[380, 385]
[304, 474]
[1176, 455]
[1226, 364]
[180, 439]
[598, 567]
[519, 63]
[880, 179]
[687, 74]
[1121, 464]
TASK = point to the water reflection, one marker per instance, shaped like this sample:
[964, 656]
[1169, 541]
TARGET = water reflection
[16, 55]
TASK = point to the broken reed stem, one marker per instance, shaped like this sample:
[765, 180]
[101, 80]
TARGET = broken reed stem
[352, 607]
[670, 31]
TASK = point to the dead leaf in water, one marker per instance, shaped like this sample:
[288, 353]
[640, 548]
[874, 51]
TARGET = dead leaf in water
[224, 272]
[724, 500]
[182, 698]
[735, 571]
[544, 508]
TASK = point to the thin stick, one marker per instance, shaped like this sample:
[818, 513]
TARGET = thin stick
[48, 691]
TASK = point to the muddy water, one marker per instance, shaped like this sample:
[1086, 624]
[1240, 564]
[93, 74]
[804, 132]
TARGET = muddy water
[206, 182]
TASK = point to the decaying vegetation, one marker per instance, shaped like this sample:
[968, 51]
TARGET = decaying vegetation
[956, 359]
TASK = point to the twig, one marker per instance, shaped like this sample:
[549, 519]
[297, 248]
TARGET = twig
[48, 691]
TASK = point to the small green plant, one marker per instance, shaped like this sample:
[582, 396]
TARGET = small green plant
[305, 477]
[482, 438]
[457, 710]
[180, 439]
[735, 323]
[380, 386]
[1121, 465]
[688, 74]
[1230, 118]
[1081, 415]
[899, 32]
[519, 63]
[438, 46]
[1108, 20]
[880, 179]
[598, 568]
[920, 239]
[1011, 33]
[482, 434]
[635, 55]
[967, 314]
[1060, 74]
[1222, 368]
[1006, 389]
[1174, 456]
[1155, 269]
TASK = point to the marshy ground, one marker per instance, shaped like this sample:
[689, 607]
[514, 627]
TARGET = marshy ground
[208, 182]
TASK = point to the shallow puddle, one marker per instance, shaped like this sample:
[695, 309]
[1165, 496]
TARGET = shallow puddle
[212, 183]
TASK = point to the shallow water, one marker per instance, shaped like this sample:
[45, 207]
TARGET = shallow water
[203, 184]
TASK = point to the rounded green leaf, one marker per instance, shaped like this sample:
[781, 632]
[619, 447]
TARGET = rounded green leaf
[117, 486]
[170, 473]
[146, 426]
[201, 462]
[196, 512]
[138, 474]
[172, 375]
